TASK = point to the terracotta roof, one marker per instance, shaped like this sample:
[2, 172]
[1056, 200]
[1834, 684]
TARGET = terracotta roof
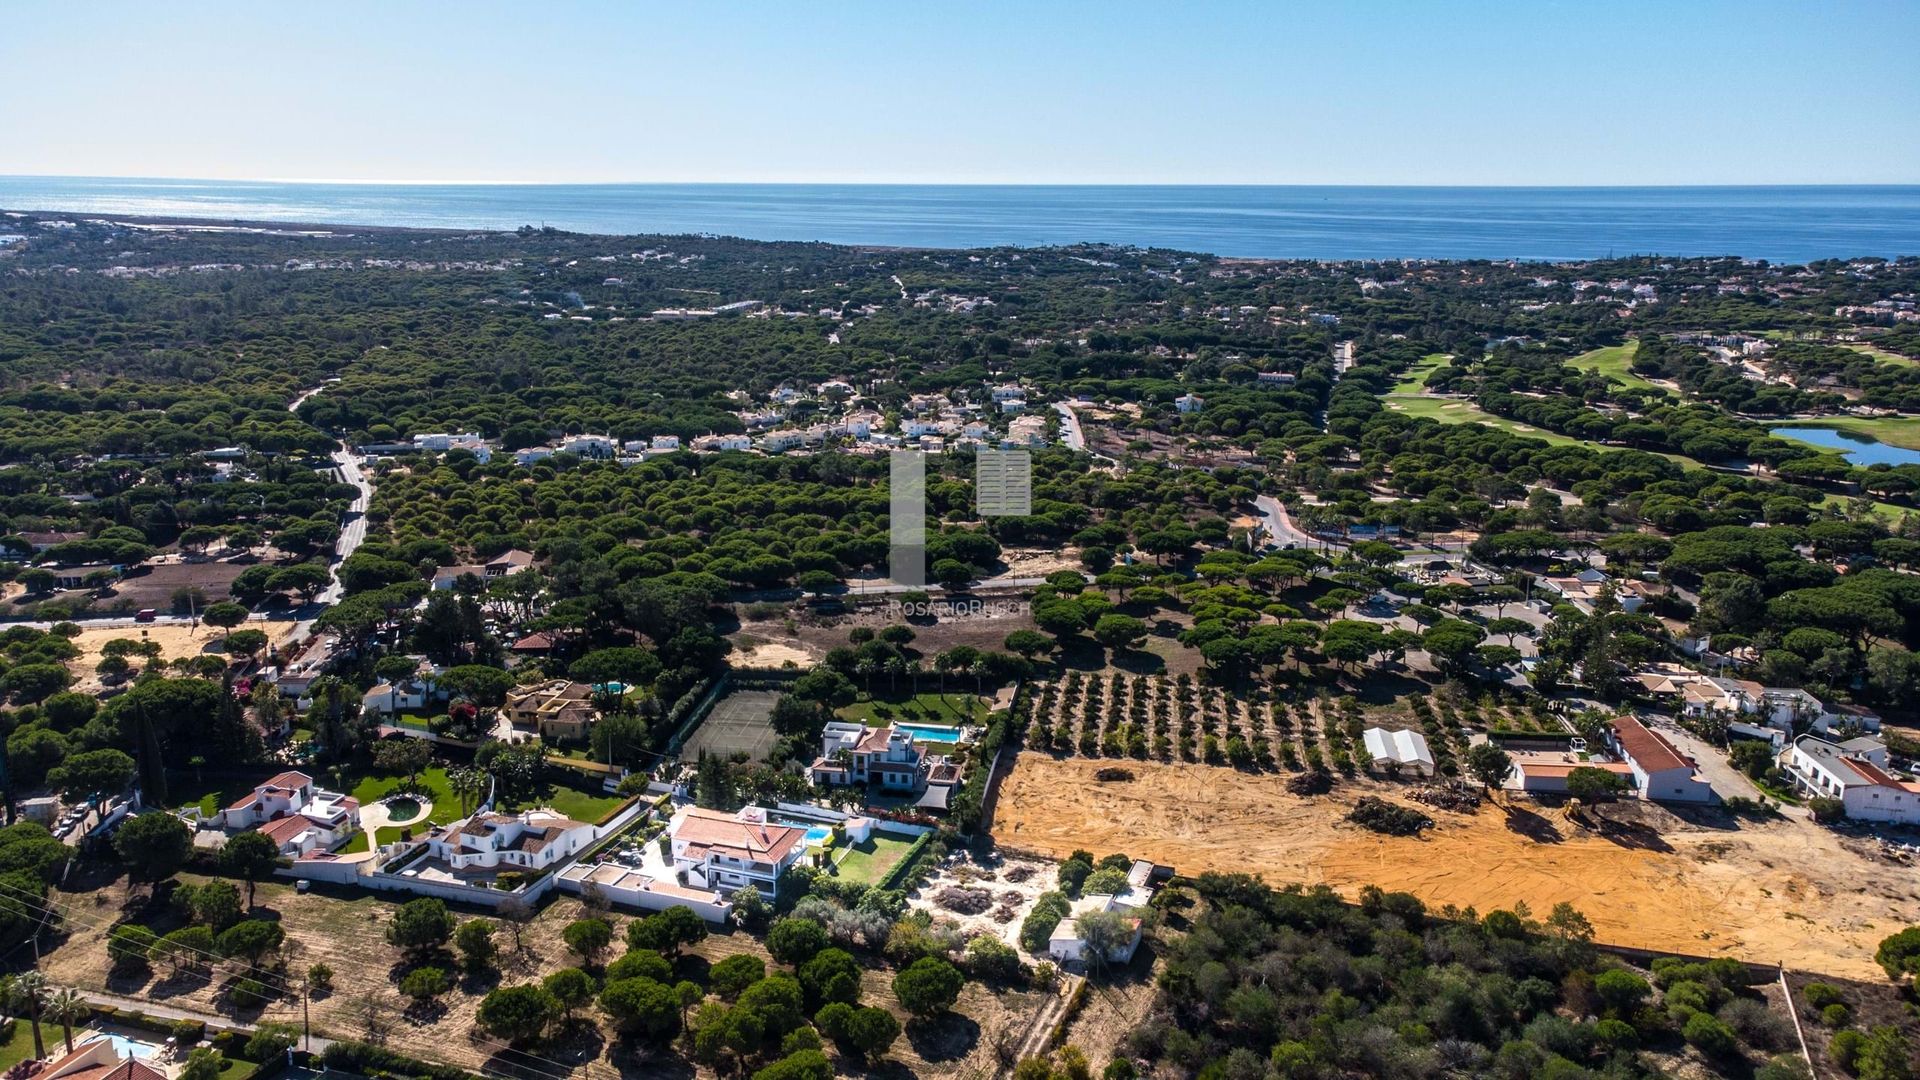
[714, 829]
[1874, 774]
[1648, 748]
[283, 830]
[533, 643]
[289, 780]
[873, 740]
[1535, 769]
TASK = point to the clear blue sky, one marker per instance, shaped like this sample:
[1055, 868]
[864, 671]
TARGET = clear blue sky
[1342, 91]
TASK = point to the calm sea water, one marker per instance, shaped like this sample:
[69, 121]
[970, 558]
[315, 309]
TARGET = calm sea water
[1790, 224]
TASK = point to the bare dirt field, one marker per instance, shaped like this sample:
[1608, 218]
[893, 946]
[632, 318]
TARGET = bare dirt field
[1785, 891]
[176, 640]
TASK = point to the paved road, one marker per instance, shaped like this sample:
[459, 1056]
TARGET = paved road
[1281, 530]
[1071, 434]
[214, 1021]
[353, 530]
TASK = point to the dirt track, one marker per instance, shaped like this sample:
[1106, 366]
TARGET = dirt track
[1786, 891]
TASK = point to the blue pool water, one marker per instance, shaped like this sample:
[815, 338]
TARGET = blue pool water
[817, 833]
[928, 733]
[125, 1047]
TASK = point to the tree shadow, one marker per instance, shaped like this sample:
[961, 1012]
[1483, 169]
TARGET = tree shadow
[1718, 818]
[1534, 827]
[1081, 653]
[181, 981]
[1631, 835]
[640, 1062]
[579, 1041]
[947, 1037]
[1139, 661]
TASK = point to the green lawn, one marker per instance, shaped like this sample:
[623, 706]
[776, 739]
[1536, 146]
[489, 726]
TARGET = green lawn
[580, 804]
[1889, 511]
[1616, 362]
[20, 1047]
[867, 863]
[1414, 379]
[1461, 411]
[1883, 355]
[926, 707]
[1901, 431]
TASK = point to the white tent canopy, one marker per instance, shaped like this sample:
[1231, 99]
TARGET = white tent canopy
[1408, 748]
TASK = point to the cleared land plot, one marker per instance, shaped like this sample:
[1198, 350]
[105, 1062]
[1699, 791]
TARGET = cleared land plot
[739, 722]
[1786, 891]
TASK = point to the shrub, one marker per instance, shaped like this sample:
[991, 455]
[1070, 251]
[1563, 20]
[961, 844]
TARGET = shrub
[1820, 995]
[1756, 1024]
[1709, 1035]
[1836, 1015]
[1616, 1034]
[1390, 818]
[1844, 1048]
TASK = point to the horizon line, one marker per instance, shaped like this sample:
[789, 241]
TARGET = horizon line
[349, 182]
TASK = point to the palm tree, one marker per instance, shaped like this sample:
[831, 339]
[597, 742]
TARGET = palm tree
[26, 992]
[66, 1007]
[467, 784]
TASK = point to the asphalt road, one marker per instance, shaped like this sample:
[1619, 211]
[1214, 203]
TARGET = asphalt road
[1280, 528]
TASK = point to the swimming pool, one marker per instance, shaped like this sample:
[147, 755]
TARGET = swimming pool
[929, 733]
[125, 1047]
[817, 834]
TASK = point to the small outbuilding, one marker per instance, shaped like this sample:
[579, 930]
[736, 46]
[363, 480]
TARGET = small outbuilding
[1406, 749]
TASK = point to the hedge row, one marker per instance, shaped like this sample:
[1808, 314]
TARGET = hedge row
[907, 862]
[379, 1063]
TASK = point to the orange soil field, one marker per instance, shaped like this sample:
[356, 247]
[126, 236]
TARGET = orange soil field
[1786, 891]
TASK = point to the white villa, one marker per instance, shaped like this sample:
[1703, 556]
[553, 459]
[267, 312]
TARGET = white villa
[1661, 772]
[1855, 772]
[726, 852]
[887, 758]
[297, 816]
[529, 840]
[1066, 946]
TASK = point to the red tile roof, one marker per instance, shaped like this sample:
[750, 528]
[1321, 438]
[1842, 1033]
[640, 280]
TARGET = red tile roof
[285, 829]
[289, 780]
[714, 829]
[1648, 748]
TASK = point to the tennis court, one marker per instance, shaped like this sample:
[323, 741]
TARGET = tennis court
[738, 722]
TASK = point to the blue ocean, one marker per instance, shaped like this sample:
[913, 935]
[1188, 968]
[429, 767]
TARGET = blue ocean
[1783, 224]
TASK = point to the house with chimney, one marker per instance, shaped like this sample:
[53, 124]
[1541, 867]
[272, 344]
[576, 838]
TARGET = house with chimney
[296, 815]
[888, 759]
[726, 852]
